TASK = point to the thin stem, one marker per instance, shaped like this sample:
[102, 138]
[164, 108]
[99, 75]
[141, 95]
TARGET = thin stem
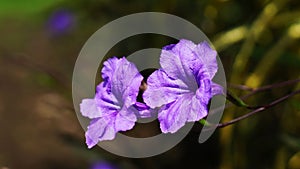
[240, 87]
[263, 88]
[260, 89]
[262, 108]
[268, 87]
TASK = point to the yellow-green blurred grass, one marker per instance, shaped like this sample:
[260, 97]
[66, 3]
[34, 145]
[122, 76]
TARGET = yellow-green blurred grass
[270, 17]
[255, 31]
[269, 59]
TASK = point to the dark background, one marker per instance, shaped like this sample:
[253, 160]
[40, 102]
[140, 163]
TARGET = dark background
[257, 41]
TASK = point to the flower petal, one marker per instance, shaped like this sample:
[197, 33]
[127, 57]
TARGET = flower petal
[122, 86]
[198, 110]
[106, 127]
[106, 101]
[191, 57]
[206, 56]
[217, 89]
[174, 115]
[125, 119]
[89, 108]
[189, 107]
[162, 90]
[143, 110]
[100, 129]
[126, 81]
[200, 101]
[108, 69]
[174, 60]
[204, 91]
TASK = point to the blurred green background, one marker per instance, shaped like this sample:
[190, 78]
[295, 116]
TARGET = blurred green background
[257, 41]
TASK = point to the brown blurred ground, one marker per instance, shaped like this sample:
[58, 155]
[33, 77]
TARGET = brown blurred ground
[36, 119]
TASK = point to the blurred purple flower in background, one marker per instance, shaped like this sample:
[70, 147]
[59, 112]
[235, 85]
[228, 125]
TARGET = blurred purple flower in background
[183, 86]
[113, 107]
[103, 165]
[61, 21]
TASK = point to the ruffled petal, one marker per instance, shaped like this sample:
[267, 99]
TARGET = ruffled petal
[175, 59]
[100, 129]
[132, 91]
[126, 81]
[199, 106]
[174, 115]
[121, 90]
[125, 119]
[206, 57]
[162, 90]
[108, 69]
[107, 103]
[186, 57]
[200, 101]
[105, 128]
[143, 110]
[203, 93]
[217, 89]
[198, 110]
[89, 108]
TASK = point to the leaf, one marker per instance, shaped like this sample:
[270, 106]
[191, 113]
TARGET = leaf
[236, 100]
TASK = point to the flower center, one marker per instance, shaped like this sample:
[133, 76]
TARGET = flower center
[145, 73]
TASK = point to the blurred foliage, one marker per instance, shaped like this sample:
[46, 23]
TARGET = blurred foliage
[257, 41]
[20, 8]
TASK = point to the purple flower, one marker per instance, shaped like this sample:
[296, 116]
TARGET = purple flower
[183, 86]
[103, 165]
[61, 21]
[113, 107]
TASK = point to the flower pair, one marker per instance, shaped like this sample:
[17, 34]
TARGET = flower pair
[181, 90]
